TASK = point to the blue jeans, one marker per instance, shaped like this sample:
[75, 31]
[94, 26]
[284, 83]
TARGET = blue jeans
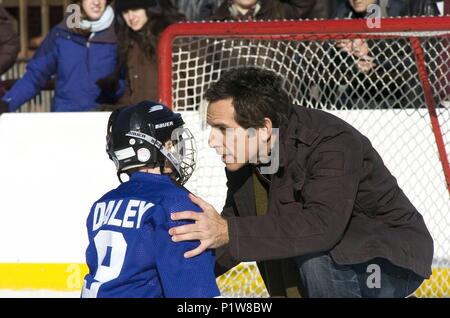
[321, 277]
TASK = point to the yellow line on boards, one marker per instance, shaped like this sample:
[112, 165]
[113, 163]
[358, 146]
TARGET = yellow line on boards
[70, 276]
[61, 277]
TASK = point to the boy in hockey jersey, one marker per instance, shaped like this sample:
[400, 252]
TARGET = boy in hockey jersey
[130, 253]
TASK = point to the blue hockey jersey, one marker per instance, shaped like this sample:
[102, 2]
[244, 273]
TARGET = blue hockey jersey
[130, 252]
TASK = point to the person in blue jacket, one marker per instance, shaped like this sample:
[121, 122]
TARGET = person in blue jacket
[130, 252]
[77, 54]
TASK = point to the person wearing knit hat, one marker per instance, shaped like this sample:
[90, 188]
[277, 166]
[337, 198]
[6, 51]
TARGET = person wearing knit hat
[76, 54]
[124, 5]
[139, 24]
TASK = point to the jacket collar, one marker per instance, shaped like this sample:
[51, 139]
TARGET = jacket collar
[244, 196]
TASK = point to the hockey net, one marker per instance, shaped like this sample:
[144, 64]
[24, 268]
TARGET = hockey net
[391, 83]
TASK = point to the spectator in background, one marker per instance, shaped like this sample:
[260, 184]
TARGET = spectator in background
[358, 8]
[264, 10]
[324, 9]
[78, 54]
[379, 77]
[389, 8]
[9, 41]
[355, 9]
[197, 10]
[243, 53]
[9, 45]
[424, 7]
[139, 24]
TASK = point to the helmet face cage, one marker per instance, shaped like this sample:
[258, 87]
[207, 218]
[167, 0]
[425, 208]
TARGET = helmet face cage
[185, 152]
[140, 145]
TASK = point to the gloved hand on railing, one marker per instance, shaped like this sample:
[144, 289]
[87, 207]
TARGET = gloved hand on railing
[109, 84]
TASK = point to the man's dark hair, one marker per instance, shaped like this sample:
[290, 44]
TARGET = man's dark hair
[255, 94]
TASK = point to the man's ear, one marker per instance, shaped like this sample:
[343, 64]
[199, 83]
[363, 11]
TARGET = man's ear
[266, 131]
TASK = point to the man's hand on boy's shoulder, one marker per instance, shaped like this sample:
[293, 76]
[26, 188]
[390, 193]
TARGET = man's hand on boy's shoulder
[209, 228]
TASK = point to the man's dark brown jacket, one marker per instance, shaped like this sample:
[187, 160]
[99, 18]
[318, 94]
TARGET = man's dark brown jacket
[332, 193]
